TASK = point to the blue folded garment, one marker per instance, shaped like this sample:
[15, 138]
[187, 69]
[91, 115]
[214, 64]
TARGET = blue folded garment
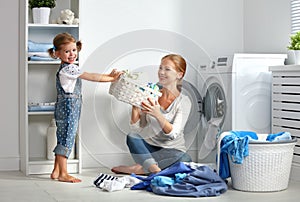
[38, 58]
[41, 108]
[38, 47]
[279, 137]
[202, 182]
[178, 167]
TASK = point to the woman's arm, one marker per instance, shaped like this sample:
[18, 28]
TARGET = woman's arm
[180, 117]
[153, 108]
[135, 114]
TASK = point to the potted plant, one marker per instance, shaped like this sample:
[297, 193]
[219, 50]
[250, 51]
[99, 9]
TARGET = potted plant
[41, 10]
[294, 49]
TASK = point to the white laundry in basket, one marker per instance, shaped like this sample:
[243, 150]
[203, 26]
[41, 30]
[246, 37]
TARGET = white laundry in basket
[130, 90]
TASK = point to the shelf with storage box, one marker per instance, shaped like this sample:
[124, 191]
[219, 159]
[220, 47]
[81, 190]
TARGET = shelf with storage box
[38, 91]
[285, 103]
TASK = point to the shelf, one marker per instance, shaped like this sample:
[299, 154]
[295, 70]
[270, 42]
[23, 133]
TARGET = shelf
[41, 113]
[55, 62]
[37, 85]
[31, 25]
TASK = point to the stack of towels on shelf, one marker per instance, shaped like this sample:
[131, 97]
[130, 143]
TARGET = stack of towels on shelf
[39, 51]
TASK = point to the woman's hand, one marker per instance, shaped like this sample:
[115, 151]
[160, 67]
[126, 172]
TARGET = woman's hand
[151, 107]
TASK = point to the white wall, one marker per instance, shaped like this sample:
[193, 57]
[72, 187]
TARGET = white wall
[9, 51]
[267, 26]
[215, 26]
[221, 27]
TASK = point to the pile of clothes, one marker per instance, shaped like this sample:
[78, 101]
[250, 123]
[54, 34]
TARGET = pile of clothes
[180, 179]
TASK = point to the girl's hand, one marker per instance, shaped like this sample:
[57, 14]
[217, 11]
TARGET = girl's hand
[114, 74]
[152, 108]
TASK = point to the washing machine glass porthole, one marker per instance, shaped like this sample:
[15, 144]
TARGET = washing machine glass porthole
[215, 103]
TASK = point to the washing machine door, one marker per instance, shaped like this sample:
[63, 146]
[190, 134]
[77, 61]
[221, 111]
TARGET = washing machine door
[214, 104]
[214, 113]
[193, 125]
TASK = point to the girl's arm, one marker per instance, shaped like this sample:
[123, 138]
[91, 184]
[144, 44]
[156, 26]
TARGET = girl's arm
[113, 76]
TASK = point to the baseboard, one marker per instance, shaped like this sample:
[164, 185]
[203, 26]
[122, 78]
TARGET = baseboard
[108, 160]
[105, 160]
[9, 164]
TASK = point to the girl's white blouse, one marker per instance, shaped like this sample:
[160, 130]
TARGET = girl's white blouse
[68, 76]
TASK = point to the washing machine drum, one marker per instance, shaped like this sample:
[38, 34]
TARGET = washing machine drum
[211, 107]
[213, 113]
[214, 104]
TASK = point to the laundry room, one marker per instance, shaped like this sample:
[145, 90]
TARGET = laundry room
[213, 70]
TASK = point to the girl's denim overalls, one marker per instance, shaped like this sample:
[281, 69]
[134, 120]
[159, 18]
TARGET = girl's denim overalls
[67, 114]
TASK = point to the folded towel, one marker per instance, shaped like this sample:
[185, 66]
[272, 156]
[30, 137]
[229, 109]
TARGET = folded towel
[38, 47]
[39, 54]
[37, 58]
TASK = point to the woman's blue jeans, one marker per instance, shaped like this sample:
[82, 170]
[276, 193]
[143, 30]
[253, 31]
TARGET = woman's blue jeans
[147, 155]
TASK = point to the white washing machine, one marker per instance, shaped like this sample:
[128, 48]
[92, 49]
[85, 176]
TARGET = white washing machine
[237, 97]
[216, 105]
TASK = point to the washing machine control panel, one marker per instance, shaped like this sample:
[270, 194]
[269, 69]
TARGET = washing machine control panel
[222, 64]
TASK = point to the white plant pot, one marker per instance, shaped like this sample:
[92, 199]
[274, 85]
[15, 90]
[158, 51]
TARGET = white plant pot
[293, 57]
[41, 15]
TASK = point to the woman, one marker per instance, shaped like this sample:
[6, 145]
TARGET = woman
[166, 118]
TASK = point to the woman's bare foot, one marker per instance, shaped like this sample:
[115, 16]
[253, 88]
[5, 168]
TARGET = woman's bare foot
[136, 169]
[154, 168]
[68, 178]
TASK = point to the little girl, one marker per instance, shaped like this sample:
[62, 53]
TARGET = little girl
[68, 103]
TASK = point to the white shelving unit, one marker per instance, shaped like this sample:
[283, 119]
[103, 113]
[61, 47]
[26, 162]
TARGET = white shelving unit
[37, 85]
[285, 103]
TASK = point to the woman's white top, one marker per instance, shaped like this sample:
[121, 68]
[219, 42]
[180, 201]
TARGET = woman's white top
[68, 76]
[177, 114]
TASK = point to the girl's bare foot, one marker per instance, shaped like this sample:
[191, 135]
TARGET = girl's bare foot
[136, 169]
[54, 175]
[55, 172]
[68, 178]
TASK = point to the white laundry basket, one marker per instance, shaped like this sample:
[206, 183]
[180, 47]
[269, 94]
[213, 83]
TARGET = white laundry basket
[129, 90]
[266, 169]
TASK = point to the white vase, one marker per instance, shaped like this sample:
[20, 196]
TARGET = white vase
[293, 57]
[41, 15]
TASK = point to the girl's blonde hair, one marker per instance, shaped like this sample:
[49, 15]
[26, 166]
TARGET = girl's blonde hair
[62, 39]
